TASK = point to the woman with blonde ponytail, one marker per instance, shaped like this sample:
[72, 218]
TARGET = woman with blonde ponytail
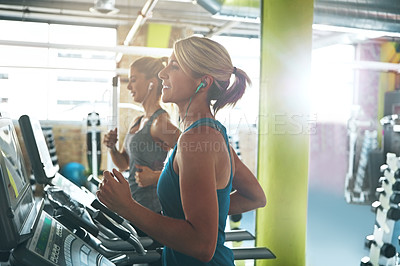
[195, 186]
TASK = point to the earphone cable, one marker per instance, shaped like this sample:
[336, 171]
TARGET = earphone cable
[187, 109]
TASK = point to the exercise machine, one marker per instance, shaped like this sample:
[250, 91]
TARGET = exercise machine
[93, 146]
[29, 235]
[77, 208]
[363, 163]
[381, 249]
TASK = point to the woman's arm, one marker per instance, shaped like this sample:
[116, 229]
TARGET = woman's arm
[195, 236]
[163, 131]
[248, 194]
[145, 176]
[120, 159]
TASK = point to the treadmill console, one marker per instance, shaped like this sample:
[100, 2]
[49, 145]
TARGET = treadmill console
[53, 244]
[43, 169]
[35, 143]
[17, 212]
[31, 235]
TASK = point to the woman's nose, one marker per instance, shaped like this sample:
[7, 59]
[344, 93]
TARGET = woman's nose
[162, 74]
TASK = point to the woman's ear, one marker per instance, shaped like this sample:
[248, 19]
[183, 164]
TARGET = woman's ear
[154, 83]
[208, 81]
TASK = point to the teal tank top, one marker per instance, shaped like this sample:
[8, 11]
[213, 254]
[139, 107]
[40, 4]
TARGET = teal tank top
[169, 195]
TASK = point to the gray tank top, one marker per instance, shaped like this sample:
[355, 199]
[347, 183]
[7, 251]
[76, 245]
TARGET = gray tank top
[143, 150]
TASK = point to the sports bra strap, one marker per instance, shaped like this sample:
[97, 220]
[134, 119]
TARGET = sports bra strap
[155, 115]
[150, 121]
[137, 121]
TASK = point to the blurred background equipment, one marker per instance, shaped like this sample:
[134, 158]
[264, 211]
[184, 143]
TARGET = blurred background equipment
[93, 141]
[75, 172]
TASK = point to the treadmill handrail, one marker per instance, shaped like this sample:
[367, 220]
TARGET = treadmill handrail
[122, 233]
[119, 244]
[65, 214]
[238, 235]
[100, 206]
[252, 253]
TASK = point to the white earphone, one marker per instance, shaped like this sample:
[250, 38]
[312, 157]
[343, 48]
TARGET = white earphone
[150, 85]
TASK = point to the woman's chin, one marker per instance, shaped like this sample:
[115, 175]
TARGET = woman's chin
[165, 98]
[137, 100]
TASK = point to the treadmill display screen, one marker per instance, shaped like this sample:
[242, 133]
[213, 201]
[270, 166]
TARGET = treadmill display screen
[13, 167]
[38, 152]
[17, 205]
[44, 153]
[44, 237]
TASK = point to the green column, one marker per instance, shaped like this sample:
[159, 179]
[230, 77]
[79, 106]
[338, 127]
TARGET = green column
[284, 128]
[158, 35]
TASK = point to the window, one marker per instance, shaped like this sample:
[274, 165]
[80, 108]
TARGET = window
[55, 83]
[332, 83]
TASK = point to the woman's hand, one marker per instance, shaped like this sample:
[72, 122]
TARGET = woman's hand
[119, 158]
[145, 177]
[114, 192]
[111, 138]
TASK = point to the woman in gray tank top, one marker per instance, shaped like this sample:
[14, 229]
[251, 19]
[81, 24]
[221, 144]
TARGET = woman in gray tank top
[150, 136]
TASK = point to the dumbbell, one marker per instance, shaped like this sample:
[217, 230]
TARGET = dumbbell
[382, 180]
[380, 191]
[397, 174]
[376, 205]
[393, 214]
[387, 250]
[384, 168]
[396, 186]
[395, 198]
[366, 261]
[369, 241]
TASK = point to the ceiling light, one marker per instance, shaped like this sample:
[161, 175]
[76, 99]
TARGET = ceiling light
[104, 7]
[227, 17]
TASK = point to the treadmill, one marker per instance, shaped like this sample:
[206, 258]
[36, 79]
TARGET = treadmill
[47, 174]
[120, 243]
[29, 235]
